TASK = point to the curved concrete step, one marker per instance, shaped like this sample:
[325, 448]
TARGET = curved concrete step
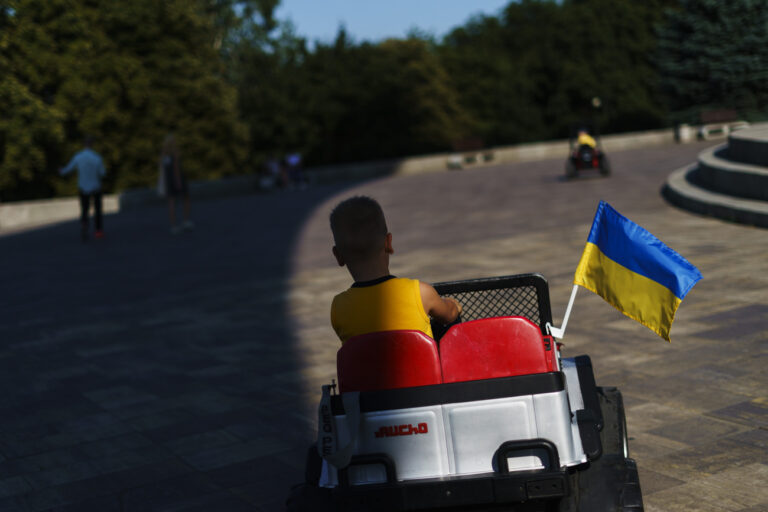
[750, 145]
[718, 173]
[681, 192]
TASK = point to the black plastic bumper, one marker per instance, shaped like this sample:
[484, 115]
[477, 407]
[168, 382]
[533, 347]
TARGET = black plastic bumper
[494, 488]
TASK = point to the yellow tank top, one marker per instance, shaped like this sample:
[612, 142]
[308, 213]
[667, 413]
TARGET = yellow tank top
[394, 304]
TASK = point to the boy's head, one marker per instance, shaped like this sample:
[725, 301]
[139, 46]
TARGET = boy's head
[359, 230]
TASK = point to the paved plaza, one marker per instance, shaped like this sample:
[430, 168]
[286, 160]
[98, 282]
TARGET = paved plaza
[149, 372]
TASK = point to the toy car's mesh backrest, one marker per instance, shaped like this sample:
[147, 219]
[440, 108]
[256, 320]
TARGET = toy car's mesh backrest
[525, 295]
[388, 360]
[493, 347]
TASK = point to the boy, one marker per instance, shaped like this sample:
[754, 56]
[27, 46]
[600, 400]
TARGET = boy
[378, 301]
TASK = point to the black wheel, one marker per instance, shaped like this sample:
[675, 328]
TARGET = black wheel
[610, 483]
[570, 169]
[614, 434]
[605, 166]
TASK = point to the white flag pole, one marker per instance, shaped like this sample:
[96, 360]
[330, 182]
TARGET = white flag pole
[559, 333]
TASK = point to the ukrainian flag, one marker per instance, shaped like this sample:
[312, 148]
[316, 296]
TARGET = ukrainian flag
[634, 271]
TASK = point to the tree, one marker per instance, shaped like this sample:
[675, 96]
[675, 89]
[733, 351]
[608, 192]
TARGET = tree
[715, 55]
[531, 73]
[126, 72]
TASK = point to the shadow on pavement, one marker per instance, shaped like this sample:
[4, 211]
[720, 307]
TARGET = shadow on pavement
[149, 371]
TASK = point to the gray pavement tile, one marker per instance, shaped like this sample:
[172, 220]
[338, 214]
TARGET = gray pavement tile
[213, 458]
[709, 458]
[696, 430]
[757, 438]
[734, 490]
[739, 314]
[97, 504]
[263, 497]
[201, 442]
[174, 494]
[716, 372]
[269, 470]
[753, 413]
[64, 474]
[747, 329]
[107, 447]
[757, 508]
[14, 485]
[651, 482]
[224, 501]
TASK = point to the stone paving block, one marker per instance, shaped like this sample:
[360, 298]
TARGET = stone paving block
[696, 430]
[650, 446]
[684, 392]
[97, 504]
[177, 493]
[205, 460]
[64, 474]
[748, 329]
[740, 314]
[757, 438]
[202, 442]
[709, 458]
[14, 485]
[269, 470]
[119, 397]
[734, 490]
[651, 482]
[224, 501]
[752, 413]
[649, 415]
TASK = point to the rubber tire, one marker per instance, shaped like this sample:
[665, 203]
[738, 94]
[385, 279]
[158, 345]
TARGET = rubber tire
[613, 437]
[570, 169]
[605, 166]
[610, 483]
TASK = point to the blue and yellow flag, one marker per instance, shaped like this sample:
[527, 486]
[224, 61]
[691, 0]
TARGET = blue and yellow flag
[634, 271]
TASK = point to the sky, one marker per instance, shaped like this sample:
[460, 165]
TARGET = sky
[373, 20]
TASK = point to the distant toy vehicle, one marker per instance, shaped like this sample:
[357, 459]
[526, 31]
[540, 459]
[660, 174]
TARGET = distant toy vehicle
[584, 157]
[493, 420]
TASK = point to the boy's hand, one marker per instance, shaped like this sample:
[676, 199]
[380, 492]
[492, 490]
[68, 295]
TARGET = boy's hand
[457, 303]
[444, 310]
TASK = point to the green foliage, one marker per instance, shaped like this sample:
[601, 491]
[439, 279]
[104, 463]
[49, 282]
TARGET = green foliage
[345, 102]
[531, 73]
[126, 72]
[715, 55]
[238, 85]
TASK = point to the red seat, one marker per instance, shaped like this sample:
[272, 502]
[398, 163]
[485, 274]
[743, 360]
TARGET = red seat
[495, 347]
[388, 360]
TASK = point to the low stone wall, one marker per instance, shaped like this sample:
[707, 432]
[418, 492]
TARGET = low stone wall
[33, 213]
[489, 156]
[231, 186]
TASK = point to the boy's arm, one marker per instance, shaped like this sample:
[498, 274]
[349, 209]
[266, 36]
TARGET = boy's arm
[444, 310]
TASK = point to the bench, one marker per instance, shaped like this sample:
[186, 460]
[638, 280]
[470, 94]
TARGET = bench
[469, 151]
[719, 123]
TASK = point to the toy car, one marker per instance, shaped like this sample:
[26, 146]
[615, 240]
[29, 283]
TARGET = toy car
[585, 157]
[491, 419]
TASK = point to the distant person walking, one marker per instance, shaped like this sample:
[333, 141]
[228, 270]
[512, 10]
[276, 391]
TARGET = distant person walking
[90, 170]
[175, 183]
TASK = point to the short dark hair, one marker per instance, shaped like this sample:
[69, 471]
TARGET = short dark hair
[359, 228]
